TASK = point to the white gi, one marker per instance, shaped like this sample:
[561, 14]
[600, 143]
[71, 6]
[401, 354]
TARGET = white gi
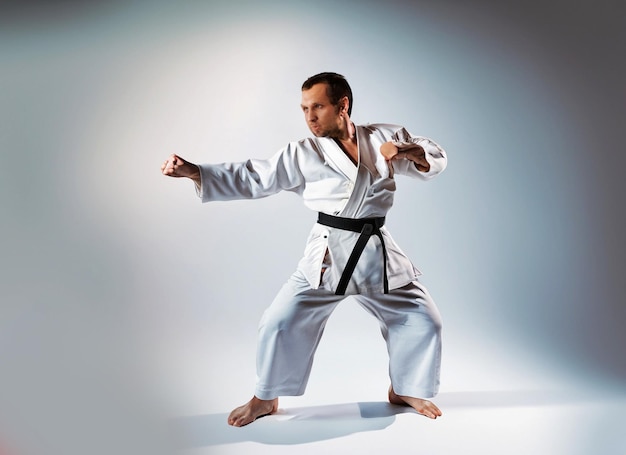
[329, 182]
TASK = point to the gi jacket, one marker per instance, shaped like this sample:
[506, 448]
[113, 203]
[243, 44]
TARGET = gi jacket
[328, 181]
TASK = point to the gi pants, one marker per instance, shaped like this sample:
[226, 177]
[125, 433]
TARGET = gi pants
[291, 328]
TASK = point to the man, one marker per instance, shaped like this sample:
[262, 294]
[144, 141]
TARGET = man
[346, 173]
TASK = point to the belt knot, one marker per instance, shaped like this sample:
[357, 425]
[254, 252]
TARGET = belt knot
[367, 227]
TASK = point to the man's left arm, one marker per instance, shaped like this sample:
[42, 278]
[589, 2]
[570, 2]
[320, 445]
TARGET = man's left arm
[414, 155]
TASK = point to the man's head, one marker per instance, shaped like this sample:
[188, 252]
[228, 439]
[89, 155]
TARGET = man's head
[337, 87]
[327, 104]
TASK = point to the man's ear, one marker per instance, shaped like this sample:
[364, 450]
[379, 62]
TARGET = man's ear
[344, 104]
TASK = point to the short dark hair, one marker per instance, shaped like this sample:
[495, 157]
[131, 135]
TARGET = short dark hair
[336, 87]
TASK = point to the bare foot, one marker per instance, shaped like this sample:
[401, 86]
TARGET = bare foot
[423, 407]
[252, 410]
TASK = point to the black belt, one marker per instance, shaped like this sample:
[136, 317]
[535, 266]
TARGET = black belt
[367, 227]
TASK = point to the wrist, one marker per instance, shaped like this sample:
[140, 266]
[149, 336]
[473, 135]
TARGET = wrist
[194, 173]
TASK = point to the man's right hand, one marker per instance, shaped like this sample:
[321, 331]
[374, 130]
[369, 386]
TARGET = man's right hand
[175, 166]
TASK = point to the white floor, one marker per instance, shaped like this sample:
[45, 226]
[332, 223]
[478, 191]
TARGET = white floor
[521, 422]
[497, 401]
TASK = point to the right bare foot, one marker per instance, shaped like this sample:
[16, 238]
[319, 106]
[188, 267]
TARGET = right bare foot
[424, 407]
[252, 410]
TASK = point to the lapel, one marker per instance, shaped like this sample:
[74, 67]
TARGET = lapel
[367, 155]
[361, 180]
[338, 160]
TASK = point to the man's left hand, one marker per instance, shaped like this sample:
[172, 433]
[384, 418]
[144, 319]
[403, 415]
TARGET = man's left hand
[411, 152]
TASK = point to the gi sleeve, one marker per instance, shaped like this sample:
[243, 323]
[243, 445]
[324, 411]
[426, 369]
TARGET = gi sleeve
[435, 155]
[251, 179]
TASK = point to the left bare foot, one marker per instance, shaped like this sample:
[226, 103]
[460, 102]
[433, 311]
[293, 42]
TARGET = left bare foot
[424, 407]
[252, 410]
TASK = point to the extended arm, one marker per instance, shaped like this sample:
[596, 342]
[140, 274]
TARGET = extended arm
[250, 179]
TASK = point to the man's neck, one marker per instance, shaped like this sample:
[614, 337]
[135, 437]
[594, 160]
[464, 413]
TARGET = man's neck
[349, 147]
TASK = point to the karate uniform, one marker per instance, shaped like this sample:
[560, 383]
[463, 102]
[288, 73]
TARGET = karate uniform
[329, 182]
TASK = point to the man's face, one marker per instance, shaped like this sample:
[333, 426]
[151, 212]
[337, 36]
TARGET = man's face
[320, 115]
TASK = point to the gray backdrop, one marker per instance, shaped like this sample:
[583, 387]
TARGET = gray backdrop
[117, 280]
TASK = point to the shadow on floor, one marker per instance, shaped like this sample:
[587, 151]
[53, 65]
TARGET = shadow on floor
[318, 423]
[288, 426]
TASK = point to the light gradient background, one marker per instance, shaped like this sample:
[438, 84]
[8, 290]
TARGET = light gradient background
[124, 300]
